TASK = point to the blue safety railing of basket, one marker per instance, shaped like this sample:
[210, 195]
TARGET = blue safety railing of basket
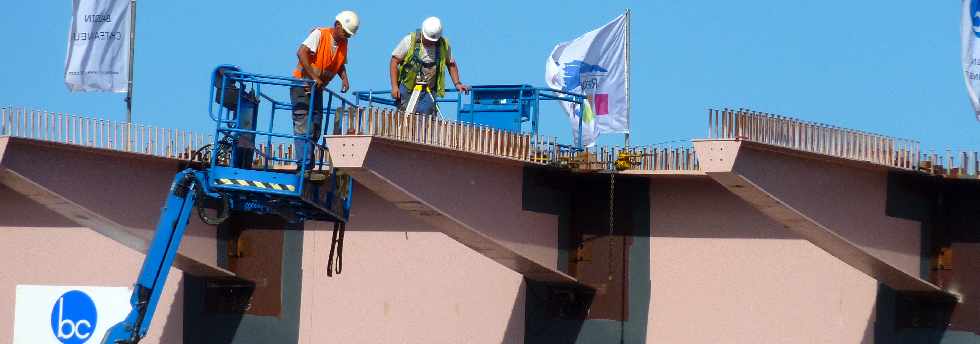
[244, 92]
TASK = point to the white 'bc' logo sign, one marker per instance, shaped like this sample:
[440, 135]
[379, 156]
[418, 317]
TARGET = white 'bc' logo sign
[73, 317]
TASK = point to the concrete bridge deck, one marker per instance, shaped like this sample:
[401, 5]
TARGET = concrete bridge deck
[393, 154]
[829, 186]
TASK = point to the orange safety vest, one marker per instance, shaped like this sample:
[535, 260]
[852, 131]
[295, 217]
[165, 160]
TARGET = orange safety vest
[324, 58]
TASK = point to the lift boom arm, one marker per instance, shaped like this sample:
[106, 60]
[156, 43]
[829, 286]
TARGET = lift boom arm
[159, 258]
[238, 183]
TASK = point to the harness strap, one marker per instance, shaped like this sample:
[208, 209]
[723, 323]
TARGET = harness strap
[417, 59]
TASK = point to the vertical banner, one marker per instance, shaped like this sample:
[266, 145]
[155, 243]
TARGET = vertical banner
[98, 46]
[970, 57]
[594, 64]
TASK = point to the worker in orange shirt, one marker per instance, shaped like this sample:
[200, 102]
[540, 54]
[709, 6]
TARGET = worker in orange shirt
[322, 56]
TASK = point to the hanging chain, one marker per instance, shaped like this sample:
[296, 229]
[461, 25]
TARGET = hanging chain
[612, 217]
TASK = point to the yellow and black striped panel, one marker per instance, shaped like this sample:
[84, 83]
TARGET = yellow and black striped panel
[255, 184]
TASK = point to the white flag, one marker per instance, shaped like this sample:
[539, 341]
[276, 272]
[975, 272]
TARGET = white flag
[594, 64]
[98, 46]
[970, 36]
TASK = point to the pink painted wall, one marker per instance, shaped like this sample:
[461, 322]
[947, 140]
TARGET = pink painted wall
[724, 273]
[420, 285]
[125, 188]
[846, 199]
[486, 195]
[404, 283]
[721, 271]
[40, 247]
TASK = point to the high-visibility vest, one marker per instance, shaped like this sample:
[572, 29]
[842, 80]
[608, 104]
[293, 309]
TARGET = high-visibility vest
[325, 59]
[412, 64]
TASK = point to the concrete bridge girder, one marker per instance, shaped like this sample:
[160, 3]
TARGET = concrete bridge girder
[836, 205]
[477, 202]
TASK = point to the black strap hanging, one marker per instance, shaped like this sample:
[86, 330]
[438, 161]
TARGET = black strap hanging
[336, 249]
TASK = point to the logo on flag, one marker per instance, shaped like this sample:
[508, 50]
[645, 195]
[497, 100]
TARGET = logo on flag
[593, 65]
[974, 7]
[587, 77]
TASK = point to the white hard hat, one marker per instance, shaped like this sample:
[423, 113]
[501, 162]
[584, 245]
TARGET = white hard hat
[349, 21]
[432, 29]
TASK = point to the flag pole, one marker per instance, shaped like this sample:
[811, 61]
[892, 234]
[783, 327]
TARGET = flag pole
[628, 114]
[581, 118]
[132, 53]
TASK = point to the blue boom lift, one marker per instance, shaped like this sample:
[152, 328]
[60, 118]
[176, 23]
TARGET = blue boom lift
[230, 179]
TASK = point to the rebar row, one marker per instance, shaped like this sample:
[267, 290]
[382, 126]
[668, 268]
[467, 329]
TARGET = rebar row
[639, 158]
[277, 153]
[956, 165]
[440, 132]
[481, 139]
[766, 128]
[100, 133]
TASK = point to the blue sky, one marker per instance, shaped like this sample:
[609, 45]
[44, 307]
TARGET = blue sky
[890, 67]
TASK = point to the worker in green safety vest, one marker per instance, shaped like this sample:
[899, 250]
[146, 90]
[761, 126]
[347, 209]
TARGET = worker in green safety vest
[421, 58]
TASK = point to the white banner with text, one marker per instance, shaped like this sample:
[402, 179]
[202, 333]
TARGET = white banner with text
[98, 46]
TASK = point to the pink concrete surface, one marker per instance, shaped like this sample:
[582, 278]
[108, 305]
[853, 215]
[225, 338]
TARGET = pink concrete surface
[125, 188]
[366, 207]
[846, 199]
[456, 229]
[39, 247]
[721, 271]
[405, 283]
[724, 273]
[485, 194]
[402, 279]
[836, 204]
